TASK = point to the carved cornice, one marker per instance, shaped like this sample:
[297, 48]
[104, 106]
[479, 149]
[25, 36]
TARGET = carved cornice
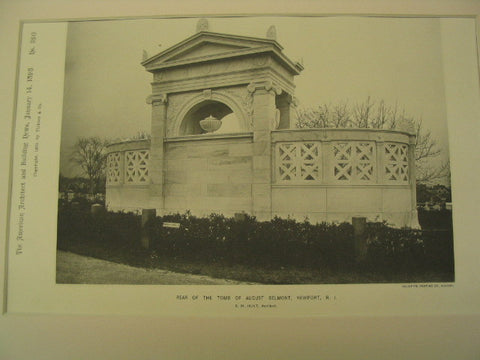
[212, 81]
[247, 45]
[157, 99]
[267, 85]
[342, 134]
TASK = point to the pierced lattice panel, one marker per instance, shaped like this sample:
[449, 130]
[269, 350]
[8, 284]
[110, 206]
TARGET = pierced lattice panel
[113, 168]
[396, 162]
[299, 161]
[354, 161]
[136, 167]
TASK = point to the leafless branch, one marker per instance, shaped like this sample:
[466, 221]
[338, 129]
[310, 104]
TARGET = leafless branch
[379, 115]
[89, 155]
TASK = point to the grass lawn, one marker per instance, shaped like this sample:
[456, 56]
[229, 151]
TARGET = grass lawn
[294, 275]
[146, 262]
[78, 269]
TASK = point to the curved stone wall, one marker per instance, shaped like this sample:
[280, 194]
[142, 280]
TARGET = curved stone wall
[335, 174]
[320, 174]
[128, 176]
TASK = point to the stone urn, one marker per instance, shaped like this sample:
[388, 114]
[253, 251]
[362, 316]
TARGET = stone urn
[210, 124]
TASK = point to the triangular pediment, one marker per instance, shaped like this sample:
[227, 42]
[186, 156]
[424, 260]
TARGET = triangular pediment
[205, 45]
[205, 49]
[208, 46]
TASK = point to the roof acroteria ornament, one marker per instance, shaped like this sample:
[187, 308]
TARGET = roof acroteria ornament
[202, 25]
[272, 33]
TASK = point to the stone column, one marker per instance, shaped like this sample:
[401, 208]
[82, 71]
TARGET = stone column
[292, 112]
[285, 105]
[264, 111]
[156, 159]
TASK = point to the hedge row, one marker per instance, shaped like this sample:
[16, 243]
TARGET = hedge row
[408, 250]
[272, 244]
[435, 219]
[275, 243]
[77, 227]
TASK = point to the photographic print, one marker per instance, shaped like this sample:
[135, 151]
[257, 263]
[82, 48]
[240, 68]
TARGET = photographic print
[300, 162]
[255, 150]
[185, 179]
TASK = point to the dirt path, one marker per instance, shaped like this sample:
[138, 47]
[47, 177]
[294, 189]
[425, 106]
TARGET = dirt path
[77, 269]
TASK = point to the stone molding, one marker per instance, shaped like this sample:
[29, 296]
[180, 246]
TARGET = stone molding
[245, 45]
[268, 86]
[157, 99]
[207, 94]
[218, 81]
[128, 145]
[221, 96]
[175, 104]
[332, 134]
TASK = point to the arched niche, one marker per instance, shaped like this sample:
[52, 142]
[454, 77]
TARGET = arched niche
[218, 105]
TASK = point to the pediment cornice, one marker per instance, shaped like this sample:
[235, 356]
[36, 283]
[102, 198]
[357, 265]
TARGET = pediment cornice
[207, 46]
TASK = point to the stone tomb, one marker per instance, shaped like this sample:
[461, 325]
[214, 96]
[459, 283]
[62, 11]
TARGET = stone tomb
[256, 162]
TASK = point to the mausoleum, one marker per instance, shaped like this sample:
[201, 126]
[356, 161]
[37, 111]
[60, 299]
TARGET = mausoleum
[223, 140]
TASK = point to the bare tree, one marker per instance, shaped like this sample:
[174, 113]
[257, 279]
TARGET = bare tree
[362, 113]
[426, 149]
[428, 174]
[89, 155]
[314, 118]
[382, 116]
[341, 116]
[325, 116]
[379, 115]
[426, 145]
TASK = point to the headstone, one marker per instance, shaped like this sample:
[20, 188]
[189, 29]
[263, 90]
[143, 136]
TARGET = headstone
[239, 217]
[147, 214]
[96, 209]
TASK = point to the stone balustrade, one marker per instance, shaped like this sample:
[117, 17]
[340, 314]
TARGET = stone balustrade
[342, 157]
[128, 175]
[127, 163]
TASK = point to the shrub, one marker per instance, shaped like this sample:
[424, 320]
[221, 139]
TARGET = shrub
[271, 244]
[439, 250]
[275, 244]
[77, 224]
[410, 251]
[435, 219]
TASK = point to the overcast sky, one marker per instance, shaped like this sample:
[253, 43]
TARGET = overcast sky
[345, 58]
